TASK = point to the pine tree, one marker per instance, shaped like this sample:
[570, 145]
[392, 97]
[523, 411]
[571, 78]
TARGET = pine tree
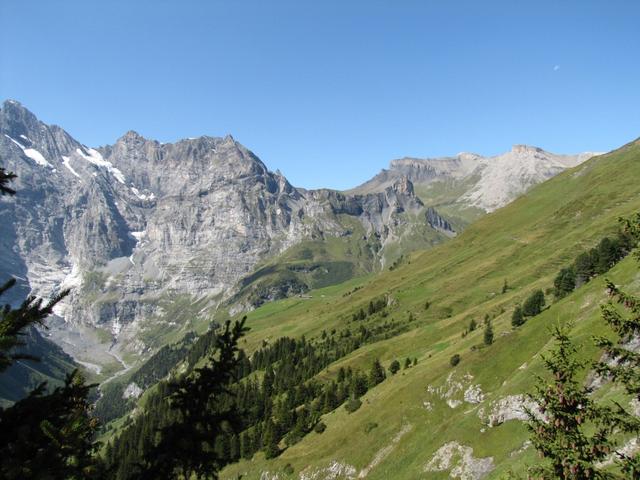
[257, 440]
[517, 318]
[607, 255]
[564, 283]
[488, 333]
[622, 364]
[271, 449]
[505, 286]
[359, 385]
[246, 448]
[376, 375]
[533, 305]
[267, 382]
[234, 447]
[407, 363]
[394, 367]
[559, 430]
[473, 325]
[202, 413]
[584, 267]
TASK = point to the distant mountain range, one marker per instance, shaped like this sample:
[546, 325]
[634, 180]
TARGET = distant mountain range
[155, 238]
[469, 180]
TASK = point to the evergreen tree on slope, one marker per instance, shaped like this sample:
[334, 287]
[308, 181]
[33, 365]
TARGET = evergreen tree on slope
[621, 363]
[569, 449]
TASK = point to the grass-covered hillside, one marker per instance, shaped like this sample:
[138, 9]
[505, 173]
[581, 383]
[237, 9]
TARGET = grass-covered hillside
[404, 421]
[432, 419]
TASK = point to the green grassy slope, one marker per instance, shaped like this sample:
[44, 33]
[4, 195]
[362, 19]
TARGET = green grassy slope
[444, 197]
[331, 260]
[526, 243]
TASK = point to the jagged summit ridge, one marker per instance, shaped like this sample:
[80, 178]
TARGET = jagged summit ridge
[139, 221]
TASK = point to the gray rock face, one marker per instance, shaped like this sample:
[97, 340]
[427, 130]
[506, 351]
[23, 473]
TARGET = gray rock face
[132, 223]
[439, 223]
[471, 180]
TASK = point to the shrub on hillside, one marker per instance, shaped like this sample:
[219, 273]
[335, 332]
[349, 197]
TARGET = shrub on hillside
[320, 427]
[534, 304]
[455, 360]
[352, 405]
[394, 367]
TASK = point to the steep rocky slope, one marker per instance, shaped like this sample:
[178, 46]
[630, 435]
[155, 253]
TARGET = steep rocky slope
[139, 226]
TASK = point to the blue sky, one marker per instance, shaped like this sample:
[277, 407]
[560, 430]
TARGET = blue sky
[330, 91]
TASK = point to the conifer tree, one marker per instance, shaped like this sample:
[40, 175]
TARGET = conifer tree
[569, 449]
[359, 385]
[517, 318]
[607, 255]
[584, 268]
[203, 413]
[488, 333]
[271, 449]
[394, 367]
[622, 364]
[533, 305]
[246, 448]
[234, 447]
[473, 325]
[564, 283]
[376, 375]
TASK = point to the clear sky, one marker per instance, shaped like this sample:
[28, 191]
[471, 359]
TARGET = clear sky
[330, 91]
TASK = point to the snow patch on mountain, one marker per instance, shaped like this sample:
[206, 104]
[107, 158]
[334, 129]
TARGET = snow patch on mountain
[94, 157]
[138, 235]
[142, 196]
[65, 162]
[32, 153]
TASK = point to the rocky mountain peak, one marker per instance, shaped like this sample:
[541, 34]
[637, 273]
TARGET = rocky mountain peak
[468, 156]
[524, 149]
[17, 120]
[131, 136]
